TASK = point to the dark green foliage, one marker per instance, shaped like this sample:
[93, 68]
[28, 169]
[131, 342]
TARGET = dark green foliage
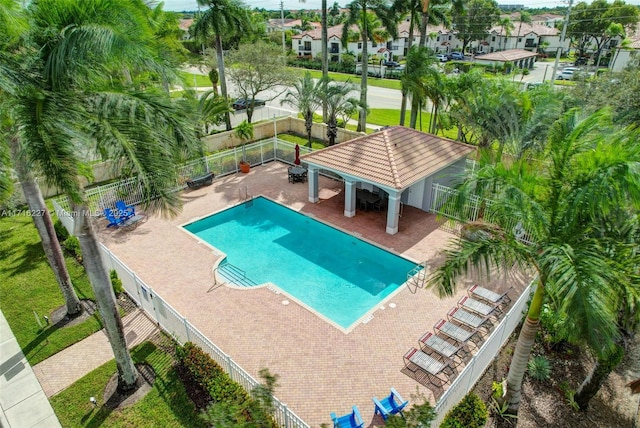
[61, 231]
[72, 245]
[471, 412]
[116, 282]
[232, 405]
[419, 415]
[539, 368]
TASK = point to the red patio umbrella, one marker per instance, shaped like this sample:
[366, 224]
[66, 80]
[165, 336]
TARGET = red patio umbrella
[297, 161]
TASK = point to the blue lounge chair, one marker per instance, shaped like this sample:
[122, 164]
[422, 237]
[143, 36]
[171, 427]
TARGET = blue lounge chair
[390, 405]
[111, 217]
[350, 420]
[125, 211]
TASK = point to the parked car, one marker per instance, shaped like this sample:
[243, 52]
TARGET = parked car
[442, 57]
[583, 60]
[565, 75]
[391, 64]
[456, 56]
[242, 103]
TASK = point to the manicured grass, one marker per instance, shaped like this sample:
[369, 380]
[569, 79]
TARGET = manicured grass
[391, 117]
[343, 77]
[302, 141]
[200, 79]
[166, 405]
[27, 285]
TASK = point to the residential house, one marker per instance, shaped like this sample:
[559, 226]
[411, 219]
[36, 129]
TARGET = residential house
[184, 25]
[289, 24]
[547, 19]
[624, 56]
[524, 36]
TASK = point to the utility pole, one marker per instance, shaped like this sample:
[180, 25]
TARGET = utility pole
[284, 48]
[562, 37]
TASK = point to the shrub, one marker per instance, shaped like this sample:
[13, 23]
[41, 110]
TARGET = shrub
[539, 368]
[61, 231]
[232, 402]
[116, 282]
[471, 412]
[72, 245]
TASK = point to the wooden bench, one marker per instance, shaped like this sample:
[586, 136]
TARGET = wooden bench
[205, 180]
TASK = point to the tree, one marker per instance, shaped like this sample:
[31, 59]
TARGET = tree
[475, 21]
[507, 28]
[556, 199]
[589, 22]
[339, 103]
[366, 15]
[256, 68]
[304, 98]
[420, 74]
[15, 21]
[524, 17]
[83, 93]
[224, 17]
[433, 12]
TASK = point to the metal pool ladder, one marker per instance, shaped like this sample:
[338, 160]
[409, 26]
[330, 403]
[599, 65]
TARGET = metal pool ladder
[417, 277]
[245, 196]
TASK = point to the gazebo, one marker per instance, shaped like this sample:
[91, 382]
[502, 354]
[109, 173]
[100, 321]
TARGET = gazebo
[519, 57]
[399, 164]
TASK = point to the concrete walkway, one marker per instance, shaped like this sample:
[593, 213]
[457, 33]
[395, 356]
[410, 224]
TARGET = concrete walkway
[22, 401]
[69, 365]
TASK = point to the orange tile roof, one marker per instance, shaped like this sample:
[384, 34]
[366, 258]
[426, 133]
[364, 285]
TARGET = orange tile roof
[395, 157]
[508, 55]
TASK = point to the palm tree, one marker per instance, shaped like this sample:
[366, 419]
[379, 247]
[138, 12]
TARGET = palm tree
[524, 17]
[224, 17]
[587, 171]
[15, 19]
[336, 96]
[507, 28]
[72, 102]
[414, 81]
[366, 15]
[434, 15]
[304, 97]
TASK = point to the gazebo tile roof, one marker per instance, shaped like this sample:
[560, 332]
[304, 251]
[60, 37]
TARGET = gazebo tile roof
[394, 157]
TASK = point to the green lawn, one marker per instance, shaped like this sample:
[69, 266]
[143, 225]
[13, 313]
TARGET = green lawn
[200, 79]
[166, 405]
[27, 285]
[302, 141]
[343, 77]
[391, 117]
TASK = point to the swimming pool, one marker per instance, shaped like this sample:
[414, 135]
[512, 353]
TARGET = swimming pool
[336, 274]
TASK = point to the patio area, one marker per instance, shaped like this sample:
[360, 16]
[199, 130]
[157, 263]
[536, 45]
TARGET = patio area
[321, 368]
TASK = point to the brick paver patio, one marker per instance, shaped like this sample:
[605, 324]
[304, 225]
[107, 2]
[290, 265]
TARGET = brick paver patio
[321, 368]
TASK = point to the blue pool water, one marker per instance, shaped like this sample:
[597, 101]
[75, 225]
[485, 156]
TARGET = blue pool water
[336, 274]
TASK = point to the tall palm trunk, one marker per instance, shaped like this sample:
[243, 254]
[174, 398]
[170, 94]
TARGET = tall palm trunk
[362, 114]
[423, 23]
[223, 78]
[105, 297]
[325, 56]
[44, 225]
[403, 105]
[308, 124]
[523, 350]
[594, 380]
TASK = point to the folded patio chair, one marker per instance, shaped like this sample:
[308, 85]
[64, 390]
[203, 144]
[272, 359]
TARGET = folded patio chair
[390, 405]
[111, 217]
[350, 420]
[125, 211]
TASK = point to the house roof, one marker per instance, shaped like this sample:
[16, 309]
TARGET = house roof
[395, 157]
[184, 24]
[316, 33]
[524, 29]
[508, 55]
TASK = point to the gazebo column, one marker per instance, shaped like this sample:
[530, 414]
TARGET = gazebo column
[393, 213]
[349, 198]
[312, 177]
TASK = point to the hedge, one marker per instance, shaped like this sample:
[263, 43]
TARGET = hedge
[221, 388]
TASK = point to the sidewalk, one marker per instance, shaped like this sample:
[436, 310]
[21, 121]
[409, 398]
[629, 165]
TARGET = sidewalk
[22, 401]
[69, 365]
